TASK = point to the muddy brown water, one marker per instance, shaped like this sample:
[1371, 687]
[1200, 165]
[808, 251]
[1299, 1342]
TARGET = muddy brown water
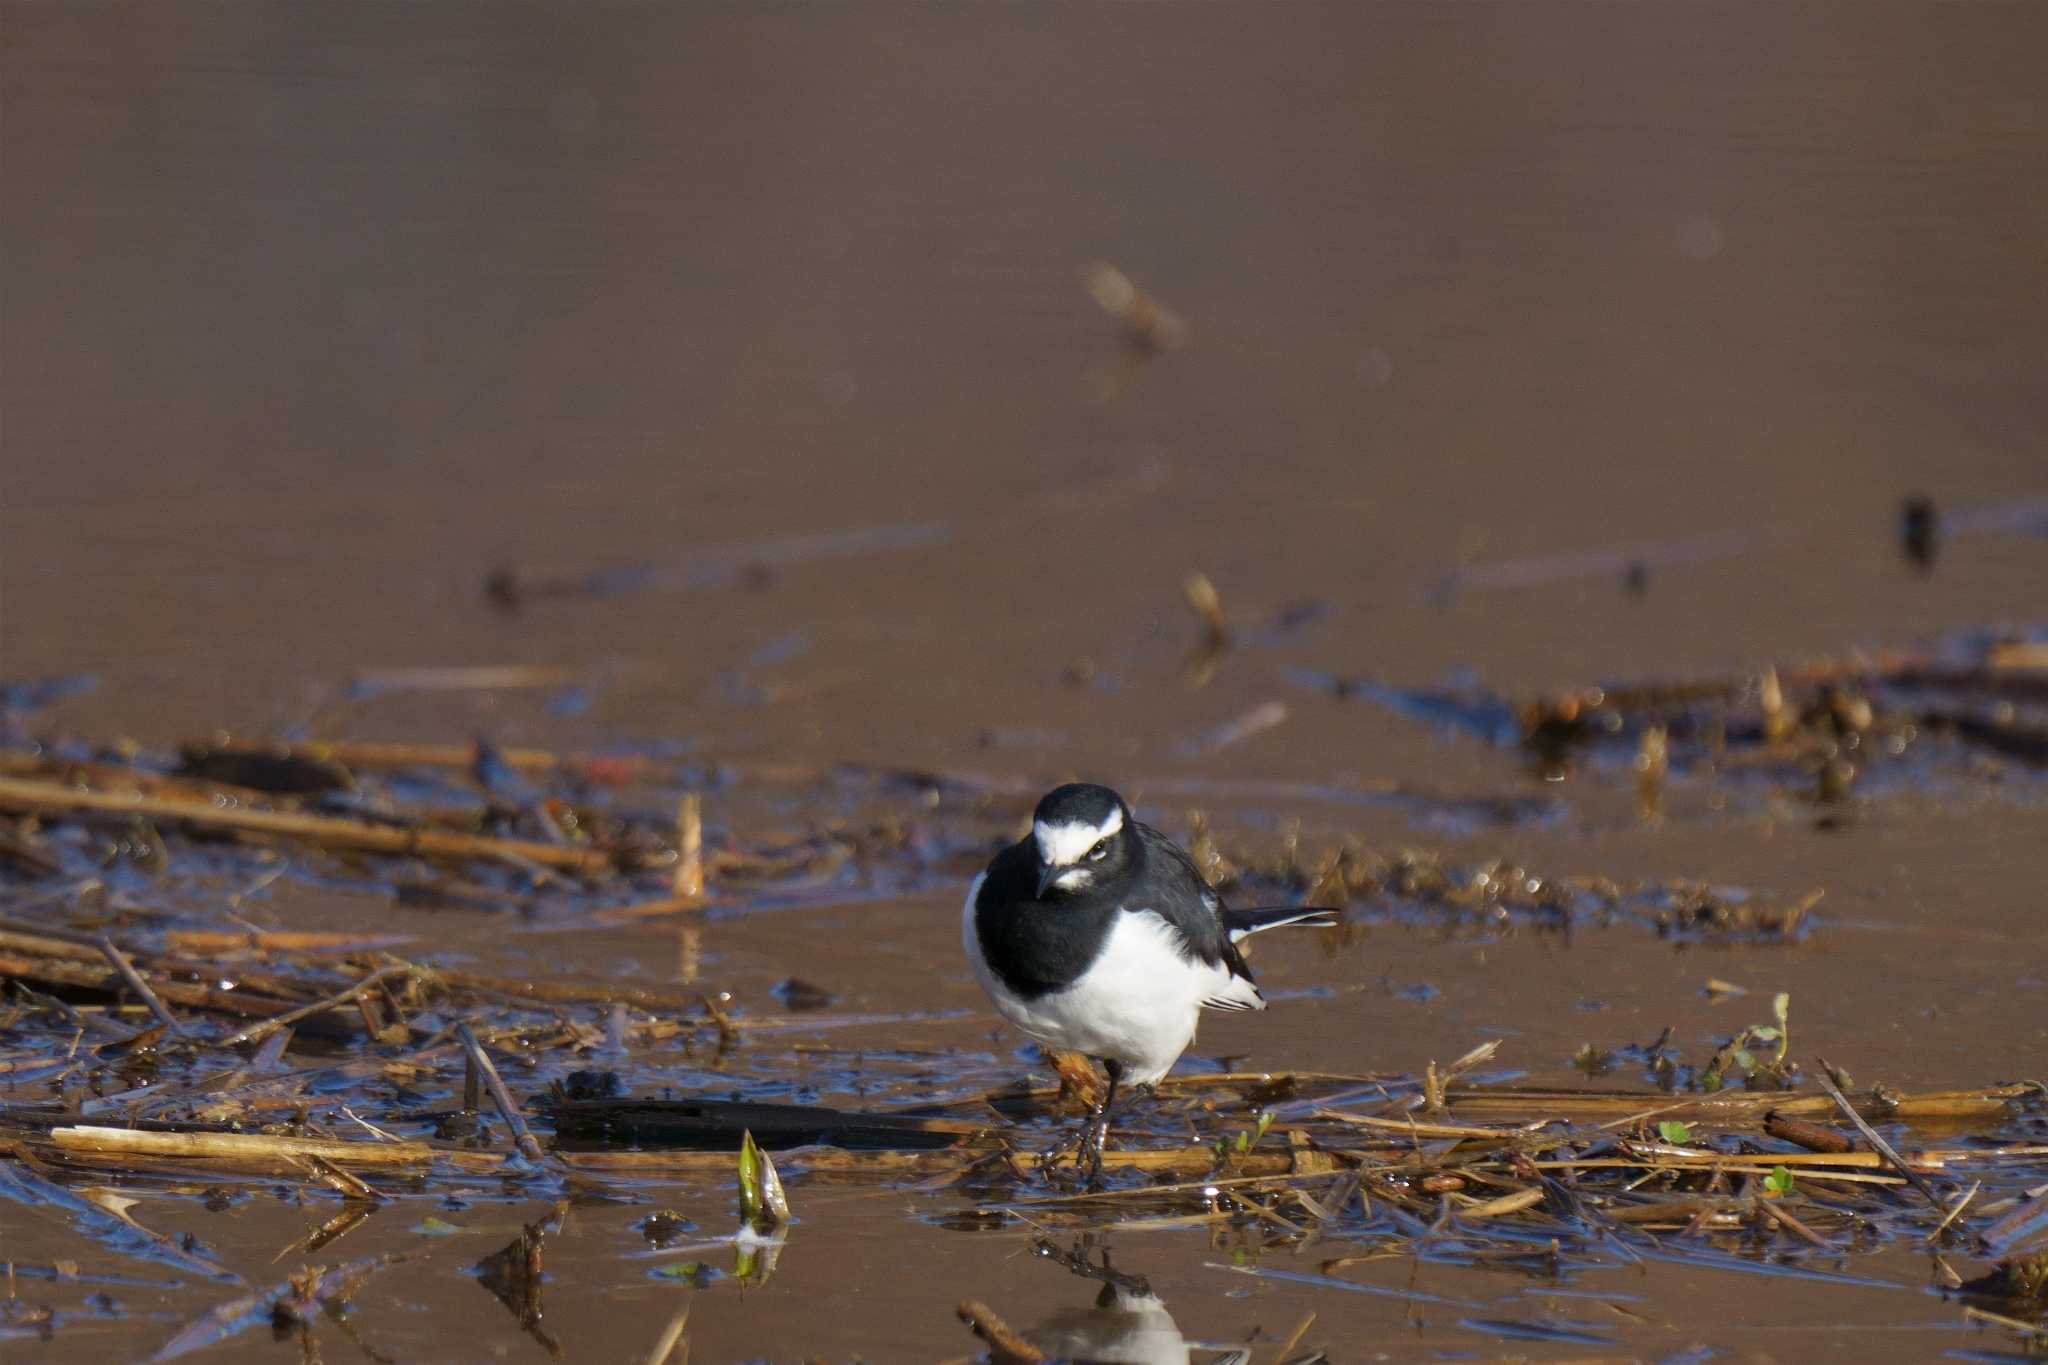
[315, 317]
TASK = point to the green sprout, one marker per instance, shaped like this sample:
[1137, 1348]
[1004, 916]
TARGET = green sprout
[763, 1205]
[1735, 1054]
[1242, 1142]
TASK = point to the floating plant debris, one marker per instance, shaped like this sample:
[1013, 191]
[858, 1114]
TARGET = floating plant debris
[1846, 724]
[151, 1033]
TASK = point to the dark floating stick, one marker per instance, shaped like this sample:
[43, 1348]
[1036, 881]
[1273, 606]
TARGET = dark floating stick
[258, 1032]
[719, 1124]
[1871, 1135]
[529, 1146]
[113, 954]
[108, 949]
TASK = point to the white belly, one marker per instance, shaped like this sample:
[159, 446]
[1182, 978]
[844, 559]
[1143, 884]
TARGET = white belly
[1137, 1003]
[1137, 1329]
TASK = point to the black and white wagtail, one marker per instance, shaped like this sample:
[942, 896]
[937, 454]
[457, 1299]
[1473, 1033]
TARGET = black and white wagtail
[1096, 934]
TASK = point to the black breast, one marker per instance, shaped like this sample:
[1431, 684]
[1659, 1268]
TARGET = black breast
[1037, 947]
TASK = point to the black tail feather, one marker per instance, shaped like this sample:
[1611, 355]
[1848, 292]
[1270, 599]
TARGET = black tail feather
[1241, 924]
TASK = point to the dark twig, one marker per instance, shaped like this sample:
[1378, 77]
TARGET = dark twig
[107, 948]
[112, 952]
[529, 1145]
[256, 1032]
[1877, 1143]
[1785, 1219]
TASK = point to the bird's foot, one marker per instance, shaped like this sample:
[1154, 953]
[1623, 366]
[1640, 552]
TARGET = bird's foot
[1078, 1261]
[1083, 1151]
[1072, 1152]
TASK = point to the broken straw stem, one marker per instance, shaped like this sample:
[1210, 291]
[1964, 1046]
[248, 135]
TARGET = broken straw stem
[688, 883]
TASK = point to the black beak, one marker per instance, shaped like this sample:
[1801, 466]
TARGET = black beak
[1046, 876]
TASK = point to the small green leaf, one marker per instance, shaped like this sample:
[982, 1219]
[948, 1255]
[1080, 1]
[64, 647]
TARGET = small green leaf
[1764, 1033]
[1779, 1182]
[1673, 1131]
[431, 1226]
[1744, 1058]
[750, 1179]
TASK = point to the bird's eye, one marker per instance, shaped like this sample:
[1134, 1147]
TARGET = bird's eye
[1099, 852]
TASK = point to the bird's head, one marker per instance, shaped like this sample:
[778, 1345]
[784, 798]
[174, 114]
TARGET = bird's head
[1082, 834]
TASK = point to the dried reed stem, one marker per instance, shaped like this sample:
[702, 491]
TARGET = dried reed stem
[665, 1345]
[1005, 1347]
[242, 1146]
[688, 883]
[50, 798]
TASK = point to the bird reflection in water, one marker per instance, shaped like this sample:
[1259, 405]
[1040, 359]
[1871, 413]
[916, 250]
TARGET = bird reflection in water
[1127, 1323]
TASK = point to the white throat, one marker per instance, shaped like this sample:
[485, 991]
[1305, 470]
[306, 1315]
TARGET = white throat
[1068, 842]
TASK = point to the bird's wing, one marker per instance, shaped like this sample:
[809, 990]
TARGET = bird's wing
[1191, 905]
[1176, 891]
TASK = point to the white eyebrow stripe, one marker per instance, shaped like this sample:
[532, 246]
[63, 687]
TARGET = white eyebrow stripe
[1069, 841]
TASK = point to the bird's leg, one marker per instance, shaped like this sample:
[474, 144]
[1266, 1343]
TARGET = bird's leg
[1098, 1122]
[1088, 1154]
